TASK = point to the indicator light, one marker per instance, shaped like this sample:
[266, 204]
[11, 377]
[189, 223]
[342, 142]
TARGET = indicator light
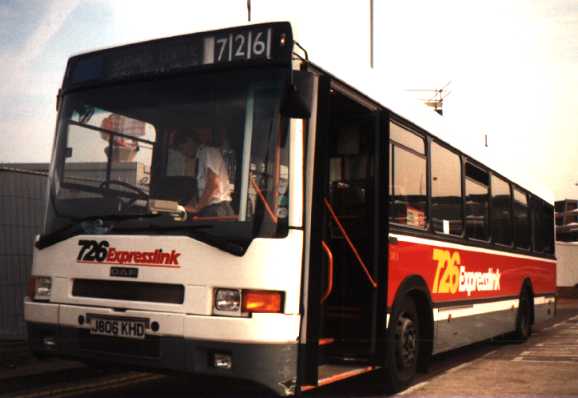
[262, 301]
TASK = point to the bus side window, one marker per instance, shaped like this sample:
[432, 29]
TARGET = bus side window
[501, 211]
[476, 203]
[538, 225]
[408, 183]
[522, 228]
[446, 191]
[548, 228]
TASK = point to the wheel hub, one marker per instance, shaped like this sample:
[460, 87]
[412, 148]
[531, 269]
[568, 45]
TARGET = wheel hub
[407, 342]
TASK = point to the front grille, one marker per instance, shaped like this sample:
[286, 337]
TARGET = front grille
[148, 347]
[131, 291]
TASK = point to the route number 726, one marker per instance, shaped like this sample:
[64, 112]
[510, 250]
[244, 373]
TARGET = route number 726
[92, 250]
[242, 46]
[447, 274]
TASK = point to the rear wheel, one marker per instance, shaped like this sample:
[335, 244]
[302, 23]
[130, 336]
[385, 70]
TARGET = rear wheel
[402, 350]
[524, 317]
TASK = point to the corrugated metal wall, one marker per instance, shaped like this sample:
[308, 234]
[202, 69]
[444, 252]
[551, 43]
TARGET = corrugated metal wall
[21, 214]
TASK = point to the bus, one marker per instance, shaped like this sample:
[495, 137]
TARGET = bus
[220, 205]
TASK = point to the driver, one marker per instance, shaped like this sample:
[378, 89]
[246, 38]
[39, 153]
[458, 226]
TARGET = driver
[181, 155]
[214, 187]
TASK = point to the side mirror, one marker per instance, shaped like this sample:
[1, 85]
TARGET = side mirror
[298, 96]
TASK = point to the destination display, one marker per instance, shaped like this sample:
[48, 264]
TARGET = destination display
[241, 46]
[267, 43]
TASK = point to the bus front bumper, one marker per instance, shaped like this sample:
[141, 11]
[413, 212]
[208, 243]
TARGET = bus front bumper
[269, 363]
[272, 365]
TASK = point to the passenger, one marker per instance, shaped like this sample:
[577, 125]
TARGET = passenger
[214, 186]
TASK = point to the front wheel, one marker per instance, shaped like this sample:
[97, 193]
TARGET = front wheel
[402, 351]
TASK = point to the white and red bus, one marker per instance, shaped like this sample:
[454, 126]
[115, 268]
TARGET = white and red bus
[346, 238]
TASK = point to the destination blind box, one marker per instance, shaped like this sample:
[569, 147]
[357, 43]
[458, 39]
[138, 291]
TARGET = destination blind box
[270, 43]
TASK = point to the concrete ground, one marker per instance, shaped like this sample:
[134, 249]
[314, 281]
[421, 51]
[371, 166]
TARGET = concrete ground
[17, 361]
[547, 366]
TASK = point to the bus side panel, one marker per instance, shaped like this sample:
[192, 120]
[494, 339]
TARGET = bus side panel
[474, 291]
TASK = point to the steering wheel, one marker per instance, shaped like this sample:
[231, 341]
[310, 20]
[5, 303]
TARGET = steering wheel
[141, 194]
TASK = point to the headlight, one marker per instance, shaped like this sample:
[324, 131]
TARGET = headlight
[228, 300]
[41, 287]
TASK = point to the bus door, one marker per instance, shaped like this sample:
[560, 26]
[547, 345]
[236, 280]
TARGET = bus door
[344, 280]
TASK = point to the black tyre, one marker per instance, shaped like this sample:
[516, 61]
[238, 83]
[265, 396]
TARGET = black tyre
[402, 351]
[524, 317]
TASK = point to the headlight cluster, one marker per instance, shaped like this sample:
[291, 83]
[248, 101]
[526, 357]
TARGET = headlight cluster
[40, 288]
[238, 301]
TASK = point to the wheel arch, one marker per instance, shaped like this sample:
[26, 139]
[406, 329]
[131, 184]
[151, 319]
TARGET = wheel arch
[415, 287]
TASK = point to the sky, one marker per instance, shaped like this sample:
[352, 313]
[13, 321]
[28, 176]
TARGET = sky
[512, 64]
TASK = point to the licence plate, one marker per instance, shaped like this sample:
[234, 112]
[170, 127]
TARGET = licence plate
[133, 329]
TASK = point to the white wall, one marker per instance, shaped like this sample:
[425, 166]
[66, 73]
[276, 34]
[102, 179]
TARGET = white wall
[567, 268]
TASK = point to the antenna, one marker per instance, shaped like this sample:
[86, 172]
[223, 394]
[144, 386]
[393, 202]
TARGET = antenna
[435, 101]
[371, 34]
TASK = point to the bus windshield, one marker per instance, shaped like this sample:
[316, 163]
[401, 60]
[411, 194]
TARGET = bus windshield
[213, 143]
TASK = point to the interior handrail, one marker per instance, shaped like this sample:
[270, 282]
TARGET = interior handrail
[261, 196]
[329, 287]
[350, 243]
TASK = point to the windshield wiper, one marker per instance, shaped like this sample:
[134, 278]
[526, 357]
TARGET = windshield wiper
[94, 225]
[86, 225]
